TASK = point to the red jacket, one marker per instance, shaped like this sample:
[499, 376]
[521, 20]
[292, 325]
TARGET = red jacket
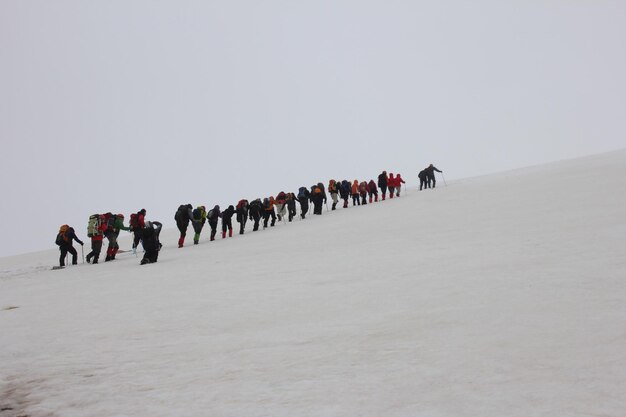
[399, 180]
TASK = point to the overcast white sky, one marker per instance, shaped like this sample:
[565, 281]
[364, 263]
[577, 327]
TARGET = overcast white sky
[123, 105]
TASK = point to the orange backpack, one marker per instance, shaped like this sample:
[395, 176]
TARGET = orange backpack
[62, 236]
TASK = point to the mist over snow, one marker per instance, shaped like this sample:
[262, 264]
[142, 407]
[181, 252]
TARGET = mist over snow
[502, 295]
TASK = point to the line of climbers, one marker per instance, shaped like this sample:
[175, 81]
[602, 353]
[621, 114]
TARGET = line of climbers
[283, 206]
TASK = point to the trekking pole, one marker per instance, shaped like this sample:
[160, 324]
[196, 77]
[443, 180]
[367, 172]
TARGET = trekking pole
[82, 252]
[444, 180]
[327, 206]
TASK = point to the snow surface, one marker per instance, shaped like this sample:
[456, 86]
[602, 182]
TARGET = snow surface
[503, 295]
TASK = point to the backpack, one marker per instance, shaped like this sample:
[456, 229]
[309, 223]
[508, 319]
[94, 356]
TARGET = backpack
[62, 237]
[93, 226]
[134, 221]
[266, 203]
[241, 204]
[302, 192]
[197, 213]
[182, 209]
[110, 222]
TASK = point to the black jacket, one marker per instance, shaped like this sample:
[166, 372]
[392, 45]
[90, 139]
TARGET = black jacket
[382, 180]
[430, 171]
[150, 236]
[255, 209]
[228, 213]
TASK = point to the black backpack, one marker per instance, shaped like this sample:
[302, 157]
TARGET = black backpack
[255, 205]
[181, 213]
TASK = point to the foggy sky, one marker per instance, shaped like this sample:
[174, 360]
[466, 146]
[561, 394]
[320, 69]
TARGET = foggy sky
[122, 105]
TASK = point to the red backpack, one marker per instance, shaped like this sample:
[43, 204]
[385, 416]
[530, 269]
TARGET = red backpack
[134, 221]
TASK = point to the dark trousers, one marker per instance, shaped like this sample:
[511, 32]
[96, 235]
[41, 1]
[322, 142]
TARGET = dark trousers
[136, 237]
[431, 180]
[197, 228]
[150, 256]
[292, 212]
[227, 224]
[355, 200]
[317, 208]
[96, 247]
[242, 222]
[266, 216]
[213, 224]
[256, 217]
[364, 198]
[64, 251]
[182, 228]
[304, 208]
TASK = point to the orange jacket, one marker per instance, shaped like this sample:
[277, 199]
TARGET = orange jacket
[355, 187]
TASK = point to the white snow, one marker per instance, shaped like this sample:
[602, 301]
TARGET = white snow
[503, 295]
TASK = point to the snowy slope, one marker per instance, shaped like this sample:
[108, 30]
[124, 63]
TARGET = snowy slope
[502, 295]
